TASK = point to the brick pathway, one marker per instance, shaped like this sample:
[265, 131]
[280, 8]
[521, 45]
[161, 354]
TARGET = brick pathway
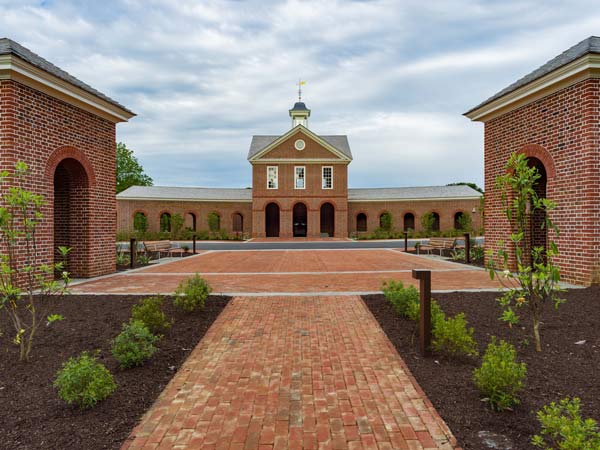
[293, 373]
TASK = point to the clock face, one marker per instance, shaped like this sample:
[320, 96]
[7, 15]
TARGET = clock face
[299, 144]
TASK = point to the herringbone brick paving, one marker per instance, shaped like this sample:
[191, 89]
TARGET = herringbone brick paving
[293, 373]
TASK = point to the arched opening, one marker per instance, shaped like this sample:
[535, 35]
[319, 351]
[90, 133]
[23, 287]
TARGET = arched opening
[436, 221]
[538, 231]
[165, 222]
[272, 220]
[327, 220]
[459, 218]
[140, 222]
[385, 221]
[299, 220]
[238, 223]
[361, 222]
[71, 215]
[409, 221]
[214, 221]
[190, 221]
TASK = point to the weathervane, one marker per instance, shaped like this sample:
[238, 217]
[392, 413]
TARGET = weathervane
[300, 84]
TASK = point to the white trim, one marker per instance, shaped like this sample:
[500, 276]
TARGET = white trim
[546, 85]
[423, 199]
[276, 178]
[299, 143]
[323, 178]
[300, 160]
[303, 177]
[169, 199]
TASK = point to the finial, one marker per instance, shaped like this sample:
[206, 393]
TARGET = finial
[300, 84]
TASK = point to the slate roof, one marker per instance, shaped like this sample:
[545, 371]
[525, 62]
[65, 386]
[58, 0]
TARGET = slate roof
[340, 142]
[299, 106]
[8, 47]
[412, 193]
[226, 194]
[185, 193]
[589, 45]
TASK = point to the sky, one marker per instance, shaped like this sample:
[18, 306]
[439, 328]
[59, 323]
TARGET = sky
[395, 76]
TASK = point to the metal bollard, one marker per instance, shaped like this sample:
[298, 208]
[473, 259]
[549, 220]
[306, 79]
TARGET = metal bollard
[467, 248]
[132, 252]
[424, 277]
[194, 244]
[405, 241]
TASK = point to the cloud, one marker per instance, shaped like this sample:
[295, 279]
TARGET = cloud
[395, 76]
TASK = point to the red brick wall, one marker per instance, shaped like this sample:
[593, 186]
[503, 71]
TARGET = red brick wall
[126, 210]
[43, 131]
[445, 208]
[561, 130]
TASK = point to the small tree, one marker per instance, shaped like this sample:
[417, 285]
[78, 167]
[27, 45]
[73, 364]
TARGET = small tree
[214, 221]
[21, 271]
[464, 222]
[385, 221]
[428, 221]
[177, 222]
[140, 222]
[536, 279]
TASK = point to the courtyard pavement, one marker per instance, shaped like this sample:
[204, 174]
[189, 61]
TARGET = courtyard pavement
[292, 272]
[293, 373]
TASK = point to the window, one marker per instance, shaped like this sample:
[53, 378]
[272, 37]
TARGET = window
[361, 222]
[327, 179]
[165, 222]
[272, 177]
[299, 177]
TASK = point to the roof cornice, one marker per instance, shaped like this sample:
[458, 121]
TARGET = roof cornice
[168, 199]
[422, 199]
[585, 67]
[297, 129]
[300, 160]
[14, 68]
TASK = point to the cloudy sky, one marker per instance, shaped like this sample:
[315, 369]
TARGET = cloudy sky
[395, 76]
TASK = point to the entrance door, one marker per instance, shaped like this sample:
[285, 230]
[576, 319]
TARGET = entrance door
[299, 220]
[272, 220]
[327, 219]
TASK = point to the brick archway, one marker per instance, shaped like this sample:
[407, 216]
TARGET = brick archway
[540, 153]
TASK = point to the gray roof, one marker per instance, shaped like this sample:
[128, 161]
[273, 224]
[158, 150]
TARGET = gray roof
[299, 106]
[340, 142]
[589, 45]
[226, 194]
[412, 193]
[8, 47]
[185, 193]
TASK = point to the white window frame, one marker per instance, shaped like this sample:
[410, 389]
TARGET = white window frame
[276, 183]
[296, 177]
[323, 177]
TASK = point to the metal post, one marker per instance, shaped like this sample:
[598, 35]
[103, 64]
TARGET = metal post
[424, 277]
[194, 244]
[406, 241]
[467, 248]
[132, 252]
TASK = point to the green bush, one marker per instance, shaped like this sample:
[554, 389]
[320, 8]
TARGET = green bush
[84, 381]
[214, 221]
[402, 298]
[500, 377]
[134, 345]
[453, 337]
[564, 429]
[385, 221]
[192, 293]
[149, 311]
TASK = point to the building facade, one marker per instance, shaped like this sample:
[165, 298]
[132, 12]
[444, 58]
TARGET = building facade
[64, 130]
[553, 117]
[299, 189]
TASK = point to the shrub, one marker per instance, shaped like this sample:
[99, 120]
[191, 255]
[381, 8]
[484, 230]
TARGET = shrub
[192, 293]
[563, 427]
[84, 381]
[452, 336]
[402, 298]
[149, 311]
[500, 377]
[385, 221]
[140, 222]
[214, 221]
[134, 345]
[427, 222]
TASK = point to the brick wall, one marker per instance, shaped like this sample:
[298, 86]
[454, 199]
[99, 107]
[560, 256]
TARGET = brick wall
[58, 139]
[562, 131]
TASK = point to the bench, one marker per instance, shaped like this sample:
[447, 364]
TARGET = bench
[163, 247]
[438, 243]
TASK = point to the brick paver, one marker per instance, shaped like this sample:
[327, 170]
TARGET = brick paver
[293, 373]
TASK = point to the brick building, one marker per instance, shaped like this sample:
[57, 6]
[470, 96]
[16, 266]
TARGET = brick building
[552, 116]
[299, 188]
[65, 131]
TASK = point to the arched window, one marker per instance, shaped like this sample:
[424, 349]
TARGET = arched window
[140, 222]
[238, 223]
[214, 221]
[462, 221]
[165, 222]
[190, 221]
[409, 221]
[385, 221]
[361, 222]
[436, 221]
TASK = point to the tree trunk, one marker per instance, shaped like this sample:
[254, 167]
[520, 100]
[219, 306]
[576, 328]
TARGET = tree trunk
[536, 333]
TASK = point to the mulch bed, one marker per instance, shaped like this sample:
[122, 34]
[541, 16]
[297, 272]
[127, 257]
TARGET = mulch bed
[31, 414]
[562, 369]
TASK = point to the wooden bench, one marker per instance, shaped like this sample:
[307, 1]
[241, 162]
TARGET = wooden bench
[438, 243]
[163, 247]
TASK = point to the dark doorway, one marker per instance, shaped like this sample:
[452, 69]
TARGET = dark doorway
[272, 220]
[458, 220]
[238, 223]
[436, 222]
[327, 220]
[361, 222]
[409, 221]
[539, 233]
[190, 221]
[299, 220]
[71, 216]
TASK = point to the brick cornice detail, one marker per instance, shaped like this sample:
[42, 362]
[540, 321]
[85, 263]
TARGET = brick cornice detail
[67, 152]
